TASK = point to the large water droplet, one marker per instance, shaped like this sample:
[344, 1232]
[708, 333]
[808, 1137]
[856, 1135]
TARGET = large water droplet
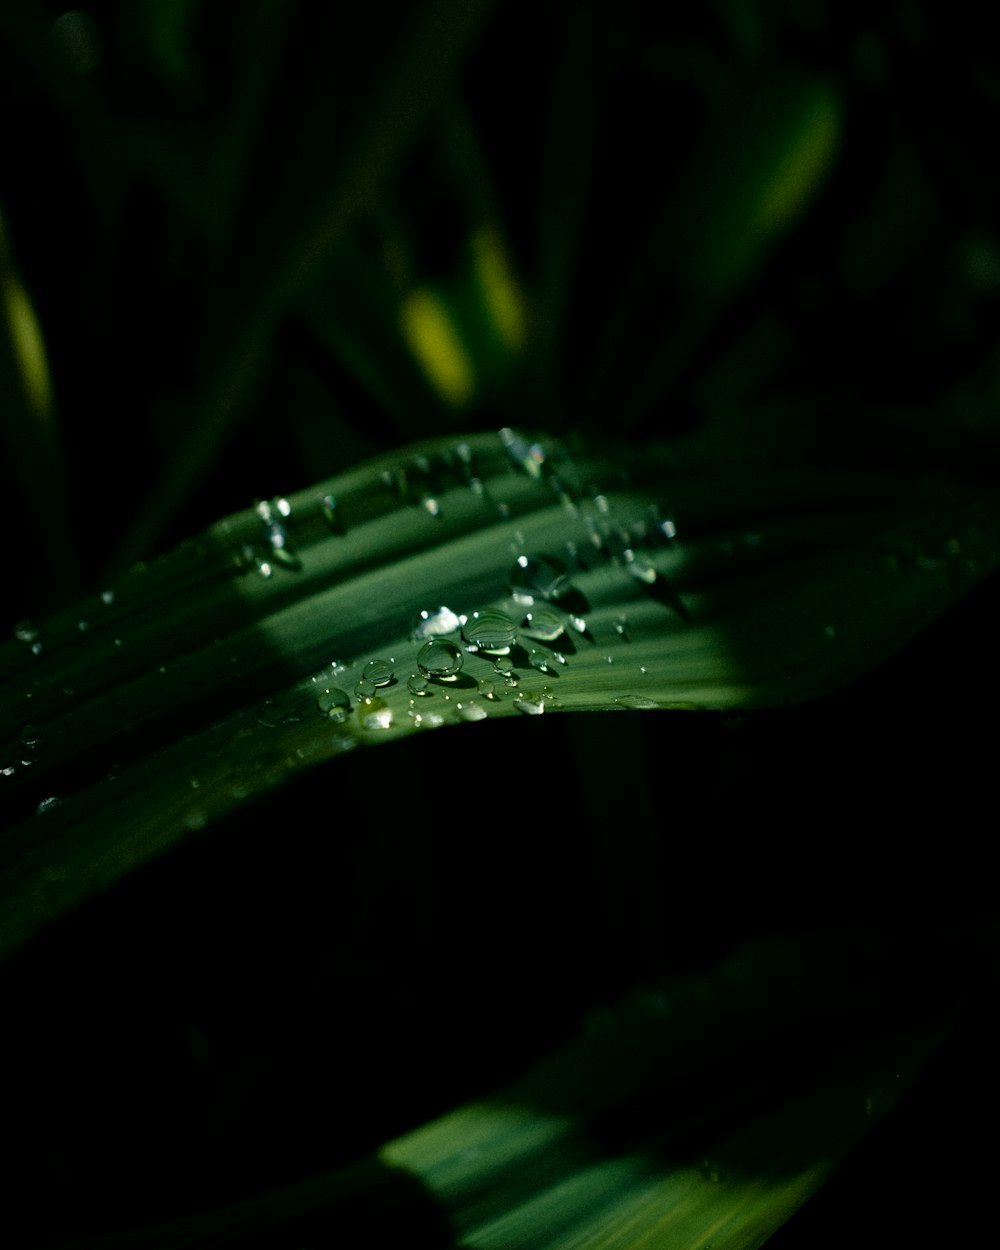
[544, 576]
[335, 703]
[440, 659]
[490, 630]
[378, 672]
[543, 623]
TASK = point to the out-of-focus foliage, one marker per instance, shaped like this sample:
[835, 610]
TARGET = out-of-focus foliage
[263, 241]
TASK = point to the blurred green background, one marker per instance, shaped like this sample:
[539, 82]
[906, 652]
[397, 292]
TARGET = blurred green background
[247, 245]
[262, 241]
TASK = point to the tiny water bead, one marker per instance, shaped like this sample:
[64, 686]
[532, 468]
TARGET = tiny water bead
[335, 703]
[440, 659]
[545, 576]
[490, 629]
[378, 672]
[543, 623]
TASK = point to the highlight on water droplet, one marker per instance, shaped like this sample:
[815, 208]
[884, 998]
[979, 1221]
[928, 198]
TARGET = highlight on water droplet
[490, 630]
[47, 804]
[335, 703]
[440, 659]
[378, 672]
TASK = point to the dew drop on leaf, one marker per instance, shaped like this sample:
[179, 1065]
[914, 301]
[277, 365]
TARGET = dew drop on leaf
[638, 701]
[335, 703]
[440, 659]
[530, 707]
[543, 623]
[471, 711]
[271, 714]
[417, 684]
[378, 672]
[541, 660]
[490, 630]
[545, 576]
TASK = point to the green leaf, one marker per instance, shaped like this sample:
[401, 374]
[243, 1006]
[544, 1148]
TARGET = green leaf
[223, 670]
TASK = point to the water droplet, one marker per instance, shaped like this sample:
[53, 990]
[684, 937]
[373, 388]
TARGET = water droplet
[335, 703]
[486, 688]
[638, 701]
[440, 659]
[541, 660]
[503, 666]
[621, 627]
[8, 771]
[432, 624]
[641, 569]
[378, 672]
[530, 707]
[417, 684]
[271, 714]
[426, 720]
[25, 631]
[376, 714]
[540, 575]
[30, 736]
[83, 626]
[830, 631]
[364, 689]
[46, 804]
[543, 623]
[579, 624]
[107, 597]
[471, 711]
[490, 630]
